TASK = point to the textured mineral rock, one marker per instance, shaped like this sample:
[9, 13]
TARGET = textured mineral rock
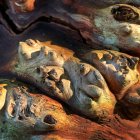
[56, 71]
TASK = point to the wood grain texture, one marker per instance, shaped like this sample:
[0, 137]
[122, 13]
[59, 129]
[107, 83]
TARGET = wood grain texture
[99, 38]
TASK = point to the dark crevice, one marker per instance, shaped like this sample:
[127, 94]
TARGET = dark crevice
[12, 28]
[20, 118]
[49, 119]
[40, 19]
[59, 21]
[51, 20]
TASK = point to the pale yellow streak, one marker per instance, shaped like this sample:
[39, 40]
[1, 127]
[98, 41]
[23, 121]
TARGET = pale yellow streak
[3, 92]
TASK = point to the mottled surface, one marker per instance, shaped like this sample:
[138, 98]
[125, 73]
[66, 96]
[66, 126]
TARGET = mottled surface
[119, 69]
[32, 116]
[2, 95]
[60, 74]
[82, 27]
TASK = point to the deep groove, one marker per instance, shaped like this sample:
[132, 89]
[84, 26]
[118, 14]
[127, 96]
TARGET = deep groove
[9, 22]
[59, 21]
[15, 30]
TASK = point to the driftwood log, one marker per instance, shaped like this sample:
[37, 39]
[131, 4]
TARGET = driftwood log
[69, 69]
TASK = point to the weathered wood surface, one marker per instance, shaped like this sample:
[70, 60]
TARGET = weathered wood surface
[81, 27]
[25, 114]
[117, 33]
